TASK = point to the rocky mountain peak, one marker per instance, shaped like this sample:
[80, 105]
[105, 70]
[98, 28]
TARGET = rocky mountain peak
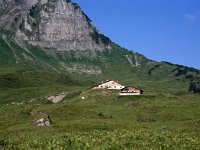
[51, 24]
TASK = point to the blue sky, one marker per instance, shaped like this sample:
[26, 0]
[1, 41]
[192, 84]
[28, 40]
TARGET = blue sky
[162, 30]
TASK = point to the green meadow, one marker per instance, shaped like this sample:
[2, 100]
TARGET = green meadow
[165, 117]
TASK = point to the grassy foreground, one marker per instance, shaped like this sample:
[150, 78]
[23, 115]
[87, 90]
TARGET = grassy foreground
[104, 120]
[165, 117]
[117, 139]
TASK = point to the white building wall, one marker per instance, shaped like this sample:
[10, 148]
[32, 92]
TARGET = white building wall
[125, 94]
[110, 85]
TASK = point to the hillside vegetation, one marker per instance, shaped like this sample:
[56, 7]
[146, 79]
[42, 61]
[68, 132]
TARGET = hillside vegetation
[104, 120]
[165, 117]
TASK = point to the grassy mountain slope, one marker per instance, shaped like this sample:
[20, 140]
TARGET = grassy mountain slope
[115, 63]
[26, 86]
[119, 64]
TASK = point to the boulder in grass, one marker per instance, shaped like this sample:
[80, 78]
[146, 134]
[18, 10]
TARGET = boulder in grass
[57, 98]
[43, 122]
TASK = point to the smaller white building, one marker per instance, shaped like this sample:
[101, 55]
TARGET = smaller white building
[109, 84]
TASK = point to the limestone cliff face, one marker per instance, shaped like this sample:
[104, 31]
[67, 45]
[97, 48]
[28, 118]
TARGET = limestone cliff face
[51, 24]
[12, 12]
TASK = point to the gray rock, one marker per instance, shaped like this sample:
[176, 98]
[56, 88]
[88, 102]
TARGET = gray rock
[12, 12]
[43, 122]
[52, 24]
[57, 98]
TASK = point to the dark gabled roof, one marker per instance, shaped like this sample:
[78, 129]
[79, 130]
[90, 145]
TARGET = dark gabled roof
[131, 87]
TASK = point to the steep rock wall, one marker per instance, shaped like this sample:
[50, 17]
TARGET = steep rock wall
[51, 24]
